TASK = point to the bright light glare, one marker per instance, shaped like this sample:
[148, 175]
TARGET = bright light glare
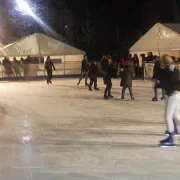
[24, 7]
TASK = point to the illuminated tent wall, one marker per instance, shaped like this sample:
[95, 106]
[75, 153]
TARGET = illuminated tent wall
[160, 39]
[40, 45]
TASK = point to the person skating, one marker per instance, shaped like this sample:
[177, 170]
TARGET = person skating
[156, 78]
[84, 70]
[108, 81]
[126, 81]
[93, 70]
[49, 66]
[104, 67]
[170, 81]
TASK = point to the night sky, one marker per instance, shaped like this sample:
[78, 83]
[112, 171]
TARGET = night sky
[116, 24]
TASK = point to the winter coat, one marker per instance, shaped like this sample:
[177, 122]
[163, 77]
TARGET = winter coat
[49, 65]
[85, 65]
[170, 80]
[127, 74]
[110, 71]
[156, 70]
[105, 65]
[93, 70]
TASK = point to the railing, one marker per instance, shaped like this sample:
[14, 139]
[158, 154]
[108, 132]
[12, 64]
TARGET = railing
[33, 70]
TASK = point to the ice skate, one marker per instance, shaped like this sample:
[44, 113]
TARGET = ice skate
[132, 97]
[155, 99]
[78, 84]
[110, 96]
[90, 89]
[122, 97]
[163, 98]
[96, 89]
[50, 82]
[169, 142]
[175, 132]
[106, 97]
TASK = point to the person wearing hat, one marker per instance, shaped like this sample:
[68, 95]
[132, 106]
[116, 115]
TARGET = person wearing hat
[93, 70]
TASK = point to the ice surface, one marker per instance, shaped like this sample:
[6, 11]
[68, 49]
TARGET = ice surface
[65, 132]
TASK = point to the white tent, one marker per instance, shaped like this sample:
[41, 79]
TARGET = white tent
[160, 39]
[39, 45]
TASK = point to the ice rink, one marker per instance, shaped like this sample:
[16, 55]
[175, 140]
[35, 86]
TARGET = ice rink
[65, 132]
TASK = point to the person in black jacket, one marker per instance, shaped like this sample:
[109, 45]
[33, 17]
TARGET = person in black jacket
[136, 66]
[108, 76]
[170, 81]
[93, 70]
[126, 81]
[156, 78]
[104, 67]
[84, 70]
[49, 65]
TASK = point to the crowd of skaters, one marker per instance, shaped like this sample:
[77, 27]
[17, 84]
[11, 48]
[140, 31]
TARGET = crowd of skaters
[109, 71]
[166, 75]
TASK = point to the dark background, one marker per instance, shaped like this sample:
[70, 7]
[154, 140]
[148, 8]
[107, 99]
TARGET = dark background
[94, 26]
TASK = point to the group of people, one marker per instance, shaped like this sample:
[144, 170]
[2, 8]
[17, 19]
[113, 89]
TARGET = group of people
[12, 68]
[166, 76]
[108, 69]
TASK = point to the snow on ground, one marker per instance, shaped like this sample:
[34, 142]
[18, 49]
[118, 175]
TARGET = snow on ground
[65, 132]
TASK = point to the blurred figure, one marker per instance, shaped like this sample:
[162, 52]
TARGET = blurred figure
[104, 66]
[149, 57]
[108, 81]
[93, 70]
[170, 81]
[126, 81]
[136, 66]
[49, 66]
[17, 67]
[7, 67]
[84, 70]
[156, 78]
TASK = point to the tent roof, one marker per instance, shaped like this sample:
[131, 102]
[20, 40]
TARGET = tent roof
[39, 45]
[174, 27]
[159, 38]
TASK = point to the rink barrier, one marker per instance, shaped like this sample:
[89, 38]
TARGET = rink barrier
[38, 77]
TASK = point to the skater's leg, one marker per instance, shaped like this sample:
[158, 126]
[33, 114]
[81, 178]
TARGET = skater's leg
[91, 83]
[123, 92]
[171, 109]
[50, 76]
[177, 114]
[170, 112]
[155, 90]
[86, 78]
[163, 94]
[131, 93]
[95, 84]
[109, 87]
[81, 76]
